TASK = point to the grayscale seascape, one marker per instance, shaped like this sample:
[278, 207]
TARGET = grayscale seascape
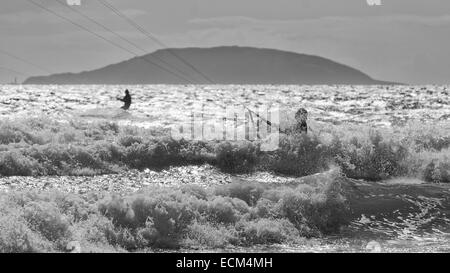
[194, 127]
[402, 211]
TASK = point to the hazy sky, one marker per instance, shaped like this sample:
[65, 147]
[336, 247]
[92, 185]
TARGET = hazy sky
[402, 40]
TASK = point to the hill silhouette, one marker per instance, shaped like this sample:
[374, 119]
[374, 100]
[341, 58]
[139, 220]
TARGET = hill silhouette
[222, 65]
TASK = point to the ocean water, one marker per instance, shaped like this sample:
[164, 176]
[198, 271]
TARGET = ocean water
[394, 216]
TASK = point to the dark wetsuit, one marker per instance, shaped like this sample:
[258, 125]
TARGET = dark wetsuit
[301, 116]
[301, 127]
[127, 101]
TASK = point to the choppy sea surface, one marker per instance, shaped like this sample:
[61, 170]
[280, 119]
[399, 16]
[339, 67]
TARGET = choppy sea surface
[394, 217]
[164, 105]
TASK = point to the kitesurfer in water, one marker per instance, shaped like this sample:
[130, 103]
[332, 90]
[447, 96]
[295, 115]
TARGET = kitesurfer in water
[126, 100]
[301, 117]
